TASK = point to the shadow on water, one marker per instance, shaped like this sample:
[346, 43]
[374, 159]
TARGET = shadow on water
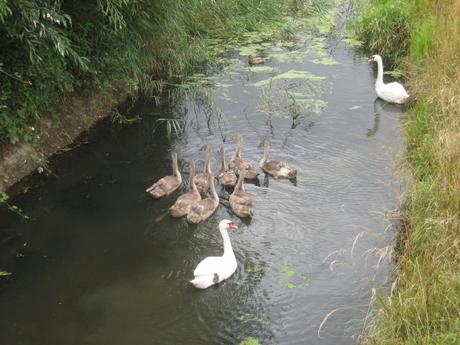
[99, 262]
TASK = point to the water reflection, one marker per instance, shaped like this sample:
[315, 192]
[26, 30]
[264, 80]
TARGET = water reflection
[109, 266]
[377, 111]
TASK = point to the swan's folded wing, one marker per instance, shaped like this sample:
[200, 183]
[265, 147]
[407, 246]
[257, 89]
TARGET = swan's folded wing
[395, 91]
[210, 265]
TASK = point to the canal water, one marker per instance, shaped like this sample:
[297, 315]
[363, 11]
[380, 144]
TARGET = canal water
[99, 262]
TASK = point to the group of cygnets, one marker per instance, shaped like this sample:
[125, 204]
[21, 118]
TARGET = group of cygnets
[197, 208]
[214, 269]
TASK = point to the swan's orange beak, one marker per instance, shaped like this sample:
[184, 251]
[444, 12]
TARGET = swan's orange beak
[232, 226]
[370, 59]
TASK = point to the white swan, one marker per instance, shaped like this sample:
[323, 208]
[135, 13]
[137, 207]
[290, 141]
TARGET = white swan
[391, 92]
[214, 269]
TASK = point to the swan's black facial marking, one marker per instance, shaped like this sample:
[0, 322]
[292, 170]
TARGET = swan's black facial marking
[216, 278]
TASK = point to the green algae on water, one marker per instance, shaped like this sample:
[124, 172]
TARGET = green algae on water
[5, 273]
[291, 74]
[325, 61]
[290, 278]
[250, 341]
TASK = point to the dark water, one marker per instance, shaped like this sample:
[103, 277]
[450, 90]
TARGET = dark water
[99, 262]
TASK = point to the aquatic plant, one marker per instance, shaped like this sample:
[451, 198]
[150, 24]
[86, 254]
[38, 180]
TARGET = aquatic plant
[173, 126]
[250, 341]
[13, 208]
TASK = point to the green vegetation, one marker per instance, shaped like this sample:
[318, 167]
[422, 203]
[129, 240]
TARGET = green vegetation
[422, 38]
[52, 48]
[250, 341]
[13, 208]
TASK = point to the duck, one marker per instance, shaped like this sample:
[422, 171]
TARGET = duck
[226, 177]
[240, 201]
[237, 164]
[205, 207]
[168, 184]
[275, 168]
[183, 203]
[215, 269]
[255, 60]
[202, 180]
[391, 92]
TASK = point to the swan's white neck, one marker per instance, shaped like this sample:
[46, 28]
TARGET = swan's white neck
[379, 80]
[228, 250]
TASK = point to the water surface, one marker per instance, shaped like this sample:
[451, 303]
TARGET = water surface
[99, 262]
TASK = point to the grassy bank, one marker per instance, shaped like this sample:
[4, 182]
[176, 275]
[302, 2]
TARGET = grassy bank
[422, 38]
[52, 48]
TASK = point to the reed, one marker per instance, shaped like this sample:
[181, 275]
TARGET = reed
[424, 305]
[51, 48]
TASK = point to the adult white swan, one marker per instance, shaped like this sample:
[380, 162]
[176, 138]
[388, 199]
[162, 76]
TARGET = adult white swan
[392, 92]
[214, 269]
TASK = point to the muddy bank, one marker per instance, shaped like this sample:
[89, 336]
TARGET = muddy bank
[77, 114]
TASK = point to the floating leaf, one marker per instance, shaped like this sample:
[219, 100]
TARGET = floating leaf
[292, 74]
[325, 61]
[5, 273]
[250, 341]
[353, 42]
[262, 69]
[354, 107]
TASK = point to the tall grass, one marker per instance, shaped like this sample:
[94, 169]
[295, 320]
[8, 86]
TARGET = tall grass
[51, 48]
[425, 308]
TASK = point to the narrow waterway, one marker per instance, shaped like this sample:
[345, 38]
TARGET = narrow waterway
[99, 262]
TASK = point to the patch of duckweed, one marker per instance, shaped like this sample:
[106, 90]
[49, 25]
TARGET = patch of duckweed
[262, 69]
[289, 56]
[326, 61]
[289, 278]
[223, 85]
[324, 23]
[234, 66]
[316, 106]
[252, 49]
[250, 341]
[291, 74]
[5, 273]
[353, 42]
[286, 269]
